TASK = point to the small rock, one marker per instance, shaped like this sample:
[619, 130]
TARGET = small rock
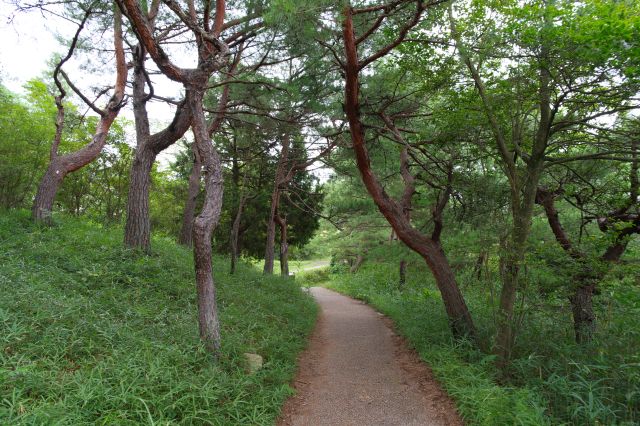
[254, 362]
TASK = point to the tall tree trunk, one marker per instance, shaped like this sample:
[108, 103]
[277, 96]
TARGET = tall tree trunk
[523, 186]
[235, 231]
[203, 226]
[512, 262]
[137, 231]
[240, 199]
[584, 318]
[284, 246]
[407, 195]
[186, 232]
[211, 58]
[269, 252]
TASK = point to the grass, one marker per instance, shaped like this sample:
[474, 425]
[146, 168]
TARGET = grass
[296, 267]
[554, 381]
[91, 333]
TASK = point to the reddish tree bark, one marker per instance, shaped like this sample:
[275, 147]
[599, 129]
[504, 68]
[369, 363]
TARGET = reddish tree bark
[455, 306]
[61, 165]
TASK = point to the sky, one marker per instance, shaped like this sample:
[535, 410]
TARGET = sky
[28, 40]
[27, 44]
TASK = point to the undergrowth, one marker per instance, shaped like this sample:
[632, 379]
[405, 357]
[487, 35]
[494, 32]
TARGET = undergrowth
[553, 380]
[92, 333]
[313, 277]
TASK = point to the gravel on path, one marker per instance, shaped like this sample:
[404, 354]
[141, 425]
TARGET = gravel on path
[357, 371]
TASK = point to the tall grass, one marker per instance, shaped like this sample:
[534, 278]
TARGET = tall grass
[553, 380]
[91, 333]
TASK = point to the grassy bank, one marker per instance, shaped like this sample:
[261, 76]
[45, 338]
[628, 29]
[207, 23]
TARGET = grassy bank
[296, 267]
[553, 381]
[91, 333]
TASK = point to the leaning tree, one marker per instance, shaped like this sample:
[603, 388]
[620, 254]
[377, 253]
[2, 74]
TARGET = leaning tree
[359, 26]
[61, 164]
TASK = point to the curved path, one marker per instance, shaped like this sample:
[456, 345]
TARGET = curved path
[356, 371]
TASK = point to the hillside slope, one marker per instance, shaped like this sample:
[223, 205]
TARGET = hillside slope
[91, 333]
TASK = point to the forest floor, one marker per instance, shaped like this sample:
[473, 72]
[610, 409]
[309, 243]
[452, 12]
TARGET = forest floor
[357, 371]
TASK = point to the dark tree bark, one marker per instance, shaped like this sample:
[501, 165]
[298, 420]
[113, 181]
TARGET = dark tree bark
[284, 245]
[480, 262]
[193, 189]
[280, 179]
[186, 231]
[137, 231]
[355, 267]
[235, 233]
[587, 279]
[455, 306]
[584, 319]
[403, 273]
[61, 165]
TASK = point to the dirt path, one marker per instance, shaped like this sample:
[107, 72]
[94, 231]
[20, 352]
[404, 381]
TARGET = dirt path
[356, 371]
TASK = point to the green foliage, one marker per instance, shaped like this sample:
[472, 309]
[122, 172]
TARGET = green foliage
[26, 132]
[99, 190]
[27, 127]
[553, 380]
[313, 277]
[92, 333]
[166, 201]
